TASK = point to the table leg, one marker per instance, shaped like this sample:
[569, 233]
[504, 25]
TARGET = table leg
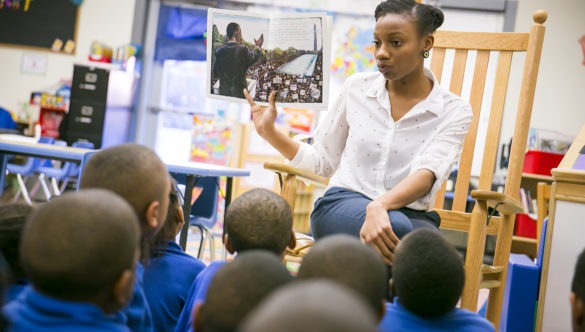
[3, 165]
[189, 184]
[228, 199]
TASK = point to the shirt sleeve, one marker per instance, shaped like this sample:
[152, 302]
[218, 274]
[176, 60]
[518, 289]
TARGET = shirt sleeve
[445, 148]
[323, 156]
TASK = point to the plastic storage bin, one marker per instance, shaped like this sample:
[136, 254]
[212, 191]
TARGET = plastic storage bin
[541, 162]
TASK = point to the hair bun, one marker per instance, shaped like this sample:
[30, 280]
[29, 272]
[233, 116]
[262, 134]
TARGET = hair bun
[438, 16]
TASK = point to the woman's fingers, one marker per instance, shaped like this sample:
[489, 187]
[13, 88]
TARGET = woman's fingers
[272, 98]
[249, 98]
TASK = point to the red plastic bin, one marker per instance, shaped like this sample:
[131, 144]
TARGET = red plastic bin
[541, 162]
[525, 226]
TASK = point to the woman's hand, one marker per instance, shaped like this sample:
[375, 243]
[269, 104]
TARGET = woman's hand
[263, 116]
[377, 232]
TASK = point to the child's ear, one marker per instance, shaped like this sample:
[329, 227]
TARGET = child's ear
[153, 213]
[197, 321]
[292, 243]
[382, 310]
[577, 314]
[123, 289]
[180, 219]
[228, 244]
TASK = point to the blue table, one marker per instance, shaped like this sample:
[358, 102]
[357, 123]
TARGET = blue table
[23, 147]
[195, 169]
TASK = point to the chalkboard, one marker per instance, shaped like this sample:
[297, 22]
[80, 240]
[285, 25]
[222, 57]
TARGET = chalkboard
[48, 24]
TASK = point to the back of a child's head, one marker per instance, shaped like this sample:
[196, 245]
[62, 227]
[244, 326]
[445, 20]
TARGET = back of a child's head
[77, 247]
[346, 260]
[237, 288]
[578, 294]
[427, 273]
[12, 220]
[311, 305]
[135, 173]
[259, 219]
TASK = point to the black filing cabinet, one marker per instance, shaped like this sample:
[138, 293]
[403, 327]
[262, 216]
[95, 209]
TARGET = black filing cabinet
[87, 108]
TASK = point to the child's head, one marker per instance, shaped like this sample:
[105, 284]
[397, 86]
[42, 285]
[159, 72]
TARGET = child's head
[577, 296]
[138, 175]
[314, 305]
[237, 288]
[345, 259]
[83, 247]
[12, 220]
[175, 219]
[427, 274]
[259, 219]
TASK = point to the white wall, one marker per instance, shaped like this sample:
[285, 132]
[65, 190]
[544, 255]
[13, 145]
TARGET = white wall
[558, 104]
[107, 21]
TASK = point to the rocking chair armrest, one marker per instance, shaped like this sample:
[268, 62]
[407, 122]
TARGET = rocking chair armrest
[288, 169]
[503, 203]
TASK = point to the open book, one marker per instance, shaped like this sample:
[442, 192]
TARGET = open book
[288, 53]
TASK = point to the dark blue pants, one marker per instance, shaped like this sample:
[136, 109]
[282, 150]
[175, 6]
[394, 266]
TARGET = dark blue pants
[344, 211]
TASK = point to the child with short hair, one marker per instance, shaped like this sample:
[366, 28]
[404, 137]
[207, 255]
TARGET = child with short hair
[313, 305]
[170, 271]
[258, 219]
[79, 252]
[237, 288]
[346, 260]
[138, 175]
[12, 220]
[427, 282]
[577, 296]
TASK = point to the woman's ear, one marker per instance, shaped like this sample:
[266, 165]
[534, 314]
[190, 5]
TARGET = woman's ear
[429, 41]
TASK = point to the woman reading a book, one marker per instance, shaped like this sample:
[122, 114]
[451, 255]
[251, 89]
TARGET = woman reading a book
[388, 142]
[232, 61]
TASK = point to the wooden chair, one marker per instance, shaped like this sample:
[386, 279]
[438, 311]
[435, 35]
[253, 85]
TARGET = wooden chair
[481, 220]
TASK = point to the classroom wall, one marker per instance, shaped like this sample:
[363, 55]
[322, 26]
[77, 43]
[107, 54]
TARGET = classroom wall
[107, 21]
[558, 104]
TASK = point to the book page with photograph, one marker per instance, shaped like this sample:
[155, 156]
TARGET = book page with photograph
[287, 53]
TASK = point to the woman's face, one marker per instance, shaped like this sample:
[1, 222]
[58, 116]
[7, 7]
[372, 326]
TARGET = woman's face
[398, 47]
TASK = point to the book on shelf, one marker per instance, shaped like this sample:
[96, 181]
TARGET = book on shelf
[286, 53]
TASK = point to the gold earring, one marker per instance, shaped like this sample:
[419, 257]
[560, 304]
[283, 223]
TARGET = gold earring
[426, 54]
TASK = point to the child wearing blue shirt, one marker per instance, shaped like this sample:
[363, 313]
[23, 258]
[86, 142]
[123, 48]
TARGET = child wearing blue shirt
[427, 282]
[170, 272]
[237, 288]
[258, 219]
[79, 251]
[138, 175]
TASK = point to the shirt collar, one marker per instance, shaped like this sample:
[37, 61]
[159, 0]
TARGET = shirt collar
[433, 103]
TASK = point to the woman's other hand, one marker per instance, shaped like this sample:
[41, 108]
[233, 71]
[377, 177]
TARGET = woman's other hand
[377, 232]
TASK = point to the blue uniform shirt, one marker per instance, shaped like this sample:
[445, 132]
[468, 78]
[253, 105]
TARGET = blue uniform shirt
[398, 318]
[137, 314]
[33, 311]
[167, 280]
[197, 294]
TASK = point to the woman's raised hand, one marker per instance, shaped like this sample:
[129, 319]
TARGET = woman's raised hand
[263, 116]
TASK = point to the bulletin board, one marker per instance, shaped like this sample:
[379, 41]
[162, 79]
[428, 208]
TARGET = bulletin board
[45, 24]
